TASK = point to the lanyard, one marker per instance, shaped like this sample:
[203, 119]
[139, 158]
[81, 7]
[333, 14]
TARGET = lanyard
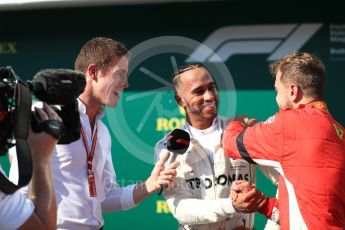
[89, 156]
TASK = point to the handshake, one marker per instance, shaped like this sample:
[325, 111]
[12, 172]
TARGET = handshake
[247, 198]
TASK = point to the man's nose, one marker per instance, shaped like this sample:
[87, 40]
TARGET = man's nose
[125, 83]
[209, 94]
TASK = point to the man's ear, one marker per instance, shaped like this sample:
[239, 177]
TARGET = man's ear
[296, 93]
[92, 71]
[179, 100]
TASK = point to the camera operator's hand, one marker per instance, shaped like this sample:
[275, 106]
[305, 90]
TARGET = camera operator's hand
[41, 189]
[41, 143]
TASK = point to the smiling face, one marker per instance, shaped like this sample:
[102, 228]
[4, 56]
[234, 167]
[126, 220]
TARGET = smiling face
[110, 84]
[198, 95]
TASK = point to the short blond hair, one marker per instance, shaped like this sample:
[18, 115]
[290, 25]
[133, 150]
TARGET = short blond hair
[104, 52]
[303, 69]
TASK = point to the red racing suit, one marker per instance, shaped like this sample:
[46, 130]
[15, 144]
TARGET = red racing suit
[307, 147]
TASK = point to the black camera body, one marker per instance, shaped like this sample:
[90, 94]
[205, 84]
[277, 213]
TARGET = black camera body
[55, 87]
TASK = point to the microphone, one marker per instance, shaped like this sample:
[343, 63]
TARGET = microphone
[58, 86]
[177, 144]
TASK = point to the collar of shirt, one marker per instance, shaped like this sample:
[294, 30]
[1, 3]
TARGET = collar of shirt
[208, 138]
[82, 109]
[198, 132]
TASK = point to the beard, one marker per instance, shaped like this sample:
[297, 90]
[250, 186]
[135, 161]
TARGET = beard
[196, 113]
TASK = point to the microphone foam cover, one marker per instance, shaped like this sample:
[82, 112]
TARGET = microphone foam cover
[60, 86]
[178, 141]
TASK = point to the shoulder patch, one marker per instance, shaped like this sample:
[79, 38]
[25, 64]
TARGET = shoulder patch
[339, 131]
[321, 105]
[270, 119]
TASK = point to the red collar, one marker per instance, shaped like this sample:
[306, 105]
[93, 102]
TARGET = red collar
[321, 105]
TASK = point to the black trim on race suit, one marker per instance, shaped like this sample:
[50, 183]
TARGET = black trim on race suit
[242, 149]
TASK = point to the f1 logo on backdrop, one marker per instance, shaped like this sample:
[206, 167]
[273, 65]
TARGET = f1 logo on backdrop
[276, 40]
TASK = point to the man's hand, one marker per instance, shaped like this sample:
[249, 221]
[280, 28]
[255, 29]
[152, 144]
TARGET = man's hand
[246, 122]
[160, 175]
[249, 121]
[245, 197]
[42, 144]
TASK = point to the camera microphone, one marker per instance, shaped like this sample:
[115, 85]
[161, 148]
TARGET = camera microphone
[58, 86]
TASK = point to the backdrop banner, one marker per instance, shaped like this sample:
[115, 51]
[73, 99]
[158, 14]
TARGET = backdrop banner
[235, 41]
